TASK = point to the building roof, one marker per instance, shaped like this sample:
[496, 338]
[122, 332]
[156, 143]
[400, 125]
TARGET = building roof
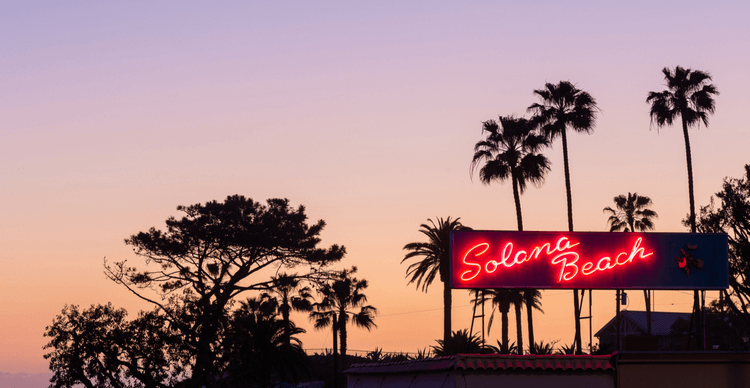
[488, 362]
[661, 322]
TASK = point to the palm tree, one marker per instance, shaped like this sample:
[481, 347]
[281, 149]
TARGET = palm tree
[435, 256]
[502, 299]
[284, 286]
[339, 296]
[511, 151]
[689, 95]
[533, 300]
[565, 106]
[631, 214]
[256, 347]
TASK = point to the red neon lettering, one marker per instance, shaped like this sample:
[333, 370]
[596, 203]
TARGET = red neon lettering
[568, 270]
[606, 263]
[463, 275]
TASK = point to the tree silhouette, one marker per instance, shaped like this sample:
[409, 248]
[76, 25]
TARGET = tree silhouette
[533, 300]
[339, 296]
[732, 216]
[284, 287]
[258, 346]
[216, 252]
[98, 347]
[459, 342]
[435, 256]
[511, 151]
[689, 95]
[517, 301]
[502, 299]
[631, 214]
[565, 106]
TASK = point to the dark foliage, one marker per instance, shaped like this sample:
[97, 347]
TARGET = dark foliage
[196, 268]
[435, 256]
[460, 342]
[731, 215]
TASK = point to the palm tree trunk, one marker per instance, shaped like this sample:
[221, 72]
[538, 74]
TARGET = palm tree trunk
[567, 180]
[504, 323]
[576, 309]
[334, 323]
[617, 322]
[447, 305]
[690, 175]
[517, 198]
[693, 228]
[287, 328]
[647, 297]
[342, 334]
[519, 329]
[530, 322]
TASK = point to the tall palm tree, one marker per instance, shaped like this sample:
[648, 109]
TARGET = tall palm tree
[511, 151]
[339, 296]
[533, 300]
[690, 95]
[435, 256]
[564, 106]
[631, 214]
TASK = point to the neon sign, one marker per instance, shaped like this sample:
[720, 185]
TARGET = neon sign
[487, 259]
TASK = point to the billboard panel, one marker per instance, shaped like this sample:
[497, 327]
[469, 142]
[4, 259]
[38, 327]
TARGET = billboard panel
[596, 260]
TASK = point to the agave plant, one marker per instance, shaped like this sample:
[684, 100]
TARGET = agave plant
[460, 342]
[544, 348]
[504, 348]
[566, 349]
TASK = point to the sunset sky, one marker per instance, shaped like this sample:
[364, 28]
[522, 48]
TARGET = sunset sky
[112, 115]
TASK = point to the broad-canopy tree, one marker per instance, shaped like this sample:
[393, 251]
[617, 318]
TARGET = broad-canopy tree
[98, 347]
[201, 263]
[732, 216]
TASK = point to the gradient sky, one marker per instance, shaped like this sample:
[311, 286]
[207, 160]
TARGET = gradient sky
[111, 115]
